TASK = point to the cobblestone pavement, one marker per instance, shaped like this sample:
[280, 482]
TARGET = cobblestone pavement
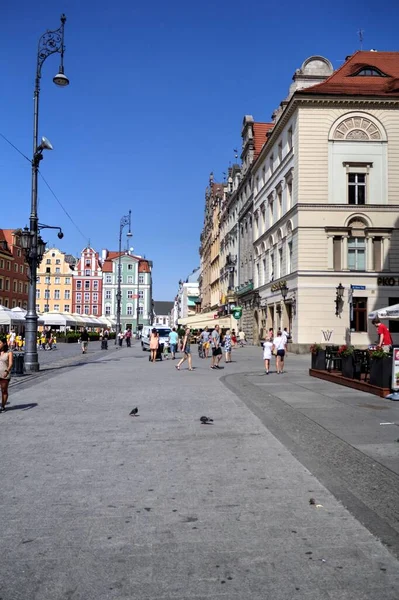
[100, 505]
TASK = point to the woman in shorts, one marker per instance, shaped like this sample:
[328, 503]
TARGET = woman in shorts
[6, 357]
[187, 351]
[279, 347]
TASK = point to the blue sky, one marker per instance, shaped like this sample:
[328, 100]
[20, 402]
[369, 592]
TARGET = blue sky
[157, 96]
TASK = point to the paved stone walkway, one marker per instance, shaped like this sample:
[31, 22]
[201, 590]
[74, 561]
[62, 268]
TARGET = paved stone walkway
[98, 505]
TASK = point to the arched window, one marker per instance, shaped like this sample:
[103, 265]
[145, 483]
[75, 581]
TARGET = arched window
[358, 127]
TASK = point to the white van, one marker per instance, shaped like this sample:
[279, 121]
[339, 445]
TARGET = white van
[146, 335]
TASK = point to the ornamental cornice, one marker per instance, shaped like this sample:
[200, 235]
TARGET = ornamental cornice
[349, 207]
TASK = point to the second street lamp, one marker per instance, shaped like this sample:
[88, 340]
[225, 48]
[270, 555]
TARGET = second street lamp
[50, 42]
[126, 220]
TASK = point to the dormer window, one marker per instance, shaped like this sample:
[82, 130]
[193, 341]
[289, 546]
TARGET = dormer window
[369, 72]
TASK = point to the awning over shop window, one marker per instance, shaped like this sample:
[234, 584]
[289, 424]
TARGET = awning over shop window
[192, 300]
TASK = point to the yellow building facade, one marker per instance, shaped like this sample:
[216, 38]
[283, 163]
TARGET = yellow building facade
[54, 282]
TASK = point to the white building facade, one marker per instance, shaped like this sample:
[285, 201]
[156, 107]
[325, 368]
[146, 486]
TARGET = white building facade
[325, 203]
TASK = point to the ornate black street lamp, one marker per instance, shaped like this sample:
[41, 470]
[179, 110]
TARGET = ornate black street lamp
[126, 220]
[49, 43]
[339, 298]
[284, 291]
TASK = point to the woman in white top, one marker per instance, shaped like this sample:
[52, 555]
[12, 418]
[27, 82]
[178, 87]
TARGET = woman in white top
[279, 346]
[6, 357]
[267, 353]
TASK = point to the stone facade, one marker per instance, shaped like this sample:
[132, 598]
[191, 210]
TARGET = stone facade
[54, 282]
[13, 271]
[325, 214]
[136, 289]
[210, 247]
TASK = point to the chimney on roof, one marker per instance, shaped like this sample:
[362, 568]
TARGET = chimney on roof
[104, 254]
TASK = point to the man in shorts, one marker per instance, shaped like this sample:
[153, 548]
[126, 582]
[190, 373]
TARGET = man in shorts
[173, 341]
[84, 340]
[205, 341]
[216, 348]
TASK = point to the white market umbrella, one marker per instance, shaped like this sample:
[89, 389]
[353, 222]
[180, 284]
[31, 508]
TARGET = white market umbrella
[58, 318]
[21, 311]
[389, 312]
[6, 316]
[79, 320]
[91, 321]
[109, 322]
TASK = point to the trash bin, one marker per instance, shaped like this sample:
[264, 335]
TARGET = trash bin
[18, 363]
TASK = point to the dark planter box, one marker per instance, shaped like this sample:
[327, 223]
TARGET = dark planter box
[347, 366]
[380, 372]
[319, 360]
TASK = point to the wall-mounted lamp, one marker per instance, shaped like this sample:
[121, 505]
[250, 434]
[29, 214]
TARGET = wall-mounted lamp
[284, 291]
[339, 299]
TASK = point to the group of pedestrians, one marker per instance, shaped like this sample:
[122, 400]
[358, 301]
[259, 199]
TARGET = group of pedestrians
[275, 346]
[125, 335]
[210, 343]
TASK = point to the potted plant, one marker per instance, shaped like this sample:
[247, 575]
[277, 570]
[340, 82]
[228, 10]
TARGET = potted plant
[346, 355]
[318, 357]
[380, 368]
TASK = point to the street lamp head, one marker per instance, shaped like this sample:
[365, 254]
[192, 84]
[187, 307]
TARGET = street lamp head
[61, 80]
[340, 290]
[60, 234]
[45, 144]
[129, 234]
[284, 290]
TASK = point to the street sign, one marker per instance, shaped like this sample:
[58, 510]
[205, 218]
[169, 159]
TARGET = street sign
[358, 287]
[237, 312]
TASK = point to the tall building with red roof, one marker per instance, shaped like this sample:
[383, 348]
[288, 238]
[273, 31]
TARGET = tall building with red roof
[87, 284]
[136, 289]
[14, 271]
[326, 196]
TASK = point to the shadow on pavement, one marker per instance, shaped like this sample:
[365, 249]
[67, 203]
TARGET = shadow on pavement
[21, 406]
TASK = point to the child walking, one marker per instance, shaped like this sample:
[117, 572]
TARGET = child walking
[166, 350]
[267, 353]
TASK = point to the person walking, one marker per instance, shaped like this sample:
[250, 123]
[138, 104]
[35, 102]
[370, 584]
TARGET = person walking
[6, 357]
[128, 336]
[121, 337]
[187, 351]
[227, 346]
[241, 337]
[216, 348]
[233, 338]
[84, 340]
[154, 344]
[279, 343]
[205, 341]
[267, 353]
[11, 339]
[173, 341]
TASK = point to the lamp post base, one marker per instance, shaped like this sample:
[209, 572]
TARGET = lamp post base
[32, 366]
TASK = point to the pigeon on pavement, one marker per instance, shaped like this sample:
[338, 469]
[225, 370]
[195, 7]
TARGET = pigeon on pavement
[133, 413]
[206, 420]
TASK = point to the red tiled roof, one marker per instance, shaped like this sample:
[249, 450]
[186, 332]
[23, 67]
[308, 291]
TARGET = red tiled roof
[111, 256]
[260, 131]
[144, 267]
[345, 82]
